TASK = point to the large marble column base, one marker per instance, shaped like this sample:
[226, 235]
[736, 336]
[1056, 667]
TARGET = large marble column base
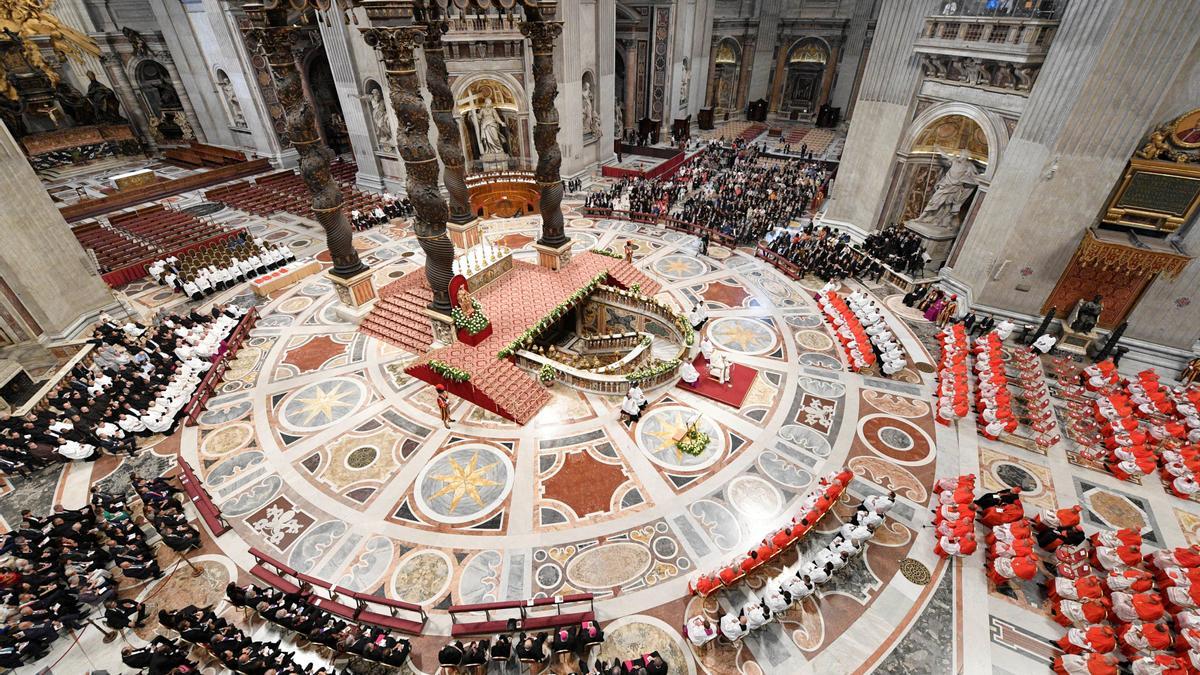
[553, 258]
[443, 328]
[357, 295]
[464, 235]
[937, 241]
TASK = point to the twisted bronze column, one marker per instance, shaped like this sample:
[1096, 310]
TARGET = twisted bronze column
[441, 106]
[542, 35]
[397, 45]
[276, 42]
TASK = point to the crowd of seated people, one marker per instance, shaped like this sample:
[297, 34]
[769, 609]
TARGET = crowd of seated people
[137, 382]
[803, 579]
[50, 568]
[204, 271]
[897, 247]
[383, 213]
[824, 253]
[233, 648]
[164, 510]
[726, 188]
[291, 611]
[569, 646]
[123, 538]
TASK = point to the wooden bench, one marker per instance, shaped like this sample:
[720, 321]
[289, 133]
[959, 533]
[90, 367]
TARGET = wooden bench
[209, 512]
[391, 619]
[525, 619]
[275, 577]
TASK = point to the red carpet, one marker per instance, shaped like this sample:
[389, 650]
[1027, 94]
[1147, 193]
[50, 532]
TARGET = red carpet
[731, 393]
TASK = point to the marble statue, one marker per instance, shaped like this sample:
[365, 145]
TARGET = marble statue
[489, 128]
[105, 107]
[951, 192]
[235, 106]
[618, 120]
[379, 116]
[591, 119]
[685, 80]
[1087, 314]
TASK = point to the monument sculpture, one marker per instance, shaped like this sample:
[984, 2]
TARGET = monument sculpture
[491, 132]
[591, 118]
[379, 117]
[952, 191]
[1087, 314]
[231, 99]
[105, 107]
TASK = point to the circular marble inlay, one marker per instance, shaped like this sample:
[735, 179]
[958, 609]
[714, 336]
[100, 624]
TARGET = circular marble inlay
[548, 576]
[896, 439]
[665, 547]
[362, 457]
[609, 565]
[754, 497]
[814, 340]
[295, 305]
[464, 483]
[678, 266]
[1016, 476]
[742, 335]
[803, 321]
[915, 572]
[320, 404]
[422, 576]
[227, 439]
[658, 429]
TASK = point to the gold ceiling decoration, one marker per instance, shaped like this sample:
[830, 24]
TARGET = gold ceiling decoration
[24, 20]
[1108, 252]
[1175, 141]
[487, 89]
[949, 134]
[809, 52]
[726, 53]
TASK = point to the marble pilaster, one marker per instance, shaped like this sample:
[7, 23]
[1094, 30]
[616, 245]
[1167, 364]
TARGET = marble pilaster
[355, 109]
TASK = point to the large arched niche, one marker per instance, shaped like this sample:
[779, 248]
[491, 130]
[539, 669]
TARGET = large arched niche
[507, 97]
[805, 76]
[726, 76]
[942, 130]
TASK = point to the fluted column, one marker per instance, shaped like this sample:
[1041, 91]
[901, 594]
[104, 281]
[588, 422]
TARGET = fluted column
[542, 35]
[441, 107]
[397, 45]
[276, 42]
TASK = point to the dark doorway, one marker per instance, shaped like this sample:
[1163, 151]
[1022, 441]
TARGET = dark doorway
[327, 107]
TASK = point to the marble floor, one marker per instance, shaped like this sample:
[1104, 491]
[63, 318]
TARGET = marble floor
[321, 451]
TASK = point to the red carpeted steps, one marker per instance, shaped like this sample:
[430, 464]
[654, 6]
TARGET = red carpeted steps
[397, 317]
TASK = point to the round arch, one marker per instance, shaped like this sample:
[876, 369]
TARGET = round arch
[726, 74]
[805, 71]
[994, 130]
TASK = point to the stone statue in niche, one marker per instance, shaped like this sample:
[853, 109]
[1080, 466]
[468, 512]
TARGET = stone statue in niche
[950, 193]
[685, 81]
[379, 116]
[1087, 314]
[235, 106]
[591, 118]
[618, 120]
[489, 129]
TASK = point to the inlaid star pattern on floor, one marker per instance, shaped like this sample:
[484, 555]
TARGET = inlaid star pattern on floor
[464, 481]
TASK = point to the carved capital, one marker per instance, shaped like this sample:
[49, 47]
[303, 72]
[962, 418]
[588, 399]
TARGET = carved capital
[397, 45]
[542, 35]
